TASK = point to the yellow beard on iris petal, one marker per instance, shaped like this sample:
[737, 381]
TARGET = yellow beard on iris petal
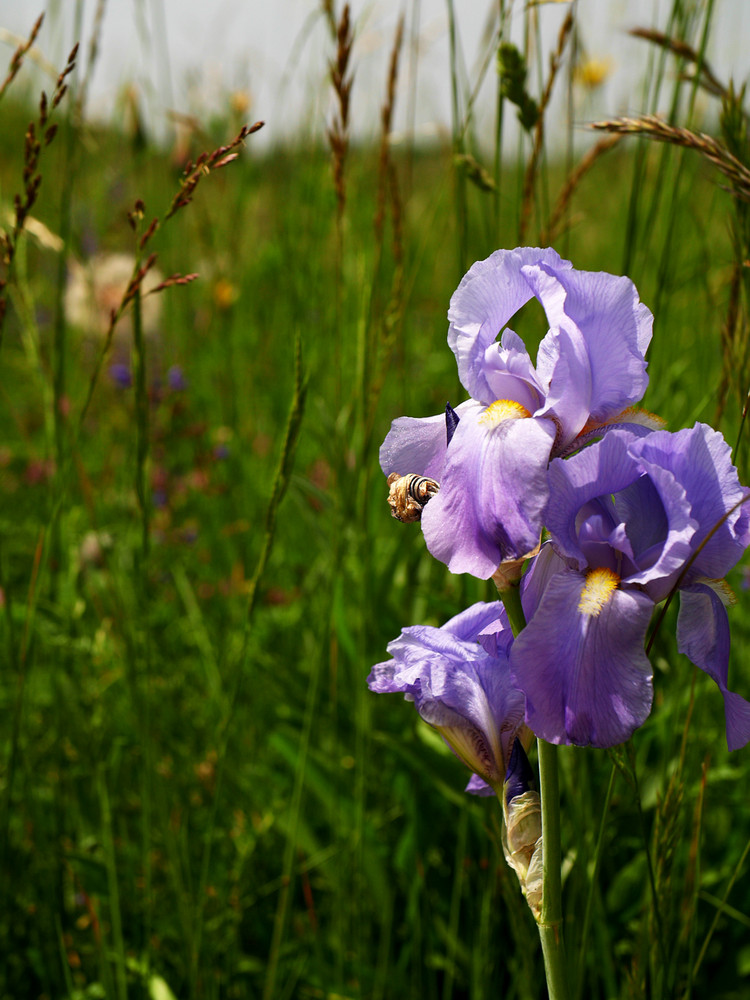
[502, 409]
[600, 585]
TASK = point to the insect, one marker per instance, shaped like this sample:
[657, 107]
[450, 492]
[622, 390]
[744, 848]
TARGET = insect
[408, 495]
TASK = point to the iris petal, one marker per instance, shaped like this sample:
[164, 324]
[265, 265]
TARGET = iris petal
[700, 460]
[611, 468]
[493, 493]
[490, 293]
[418, 444]
[458, 688]
[703, 636]
[606, 323]
[586, 677]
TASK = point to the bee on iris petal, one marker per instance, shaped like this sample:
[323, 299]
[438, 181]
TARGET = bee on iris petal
[409, 494]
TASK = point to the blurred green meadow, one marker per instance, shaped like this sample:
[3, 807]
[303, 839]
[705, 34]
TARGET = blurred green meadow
[199, 797]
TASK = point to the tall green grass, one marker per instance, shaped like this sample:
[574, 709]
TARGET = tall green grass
[198, 795]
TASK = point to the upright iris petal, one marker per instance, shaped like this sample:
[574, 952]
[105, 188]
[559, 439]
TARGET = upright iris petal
[460, 688]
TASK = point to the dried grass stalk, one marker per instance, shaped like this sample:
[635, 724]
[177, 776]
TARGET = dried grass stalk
[728, 339]
[17, 57]
[386, 121]
[203, 166]
[554, 227]
[707, 78]
[653, 127]
[531, 166]
[338, 133]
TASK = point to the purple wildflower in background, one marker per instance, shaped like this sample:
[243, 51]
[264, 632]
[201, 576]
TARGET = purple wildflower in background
[458, 677]
[176, 379]
[631, 519]
[120, 375]
[492, 469]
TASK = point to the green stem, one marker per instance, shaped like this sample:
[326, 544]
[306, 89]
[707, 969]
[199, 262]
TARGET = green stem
[511, 598]
[551, 923]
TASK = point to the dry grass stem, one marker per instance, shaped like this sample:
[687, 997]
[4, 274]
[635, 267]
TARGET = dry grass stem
[338, 133]
[707, 78]
[193, 173]
[653, 127]
[32, 177]
[555, 227]
[386, 121]
[479, 176]
[329, 12]
[17, 57]
[728, 339]
[203, 166]
[93, 53]
[531, 166]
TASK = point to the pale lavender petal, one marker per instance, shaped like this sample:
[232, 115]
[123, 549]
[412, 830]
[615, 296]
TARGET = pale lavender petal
[471, 623]
[569, 390]
[604, 317]
[703, 636]
[466, 694]
[496, 638]
[419, 444]
[586, 677]
[492, 496]
[478, 786]
[510, 373]
[490, 293]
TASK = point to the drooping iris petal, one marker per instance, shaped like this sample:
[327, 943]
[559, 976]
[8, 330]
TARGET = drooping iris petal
[490, 293]
[608, 330]
[458, 688]
[703, 636]
[418, 444]
[493, 492]
[581, 664]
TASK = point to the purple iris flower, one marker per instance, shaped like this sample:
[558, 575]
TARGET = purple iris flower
[492, 465]
[458, 677]
[631, 519]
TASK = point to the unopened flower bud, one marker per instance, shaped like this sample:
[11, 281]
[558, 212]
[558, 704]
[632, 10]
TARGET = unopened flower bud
[522, 836]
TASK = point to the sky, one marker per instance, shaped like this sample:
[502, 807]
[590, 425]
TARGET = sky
[190, 57]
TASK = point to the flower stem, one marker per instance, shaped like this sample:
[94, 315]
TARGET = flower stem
[511, 598]
[551, 923]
